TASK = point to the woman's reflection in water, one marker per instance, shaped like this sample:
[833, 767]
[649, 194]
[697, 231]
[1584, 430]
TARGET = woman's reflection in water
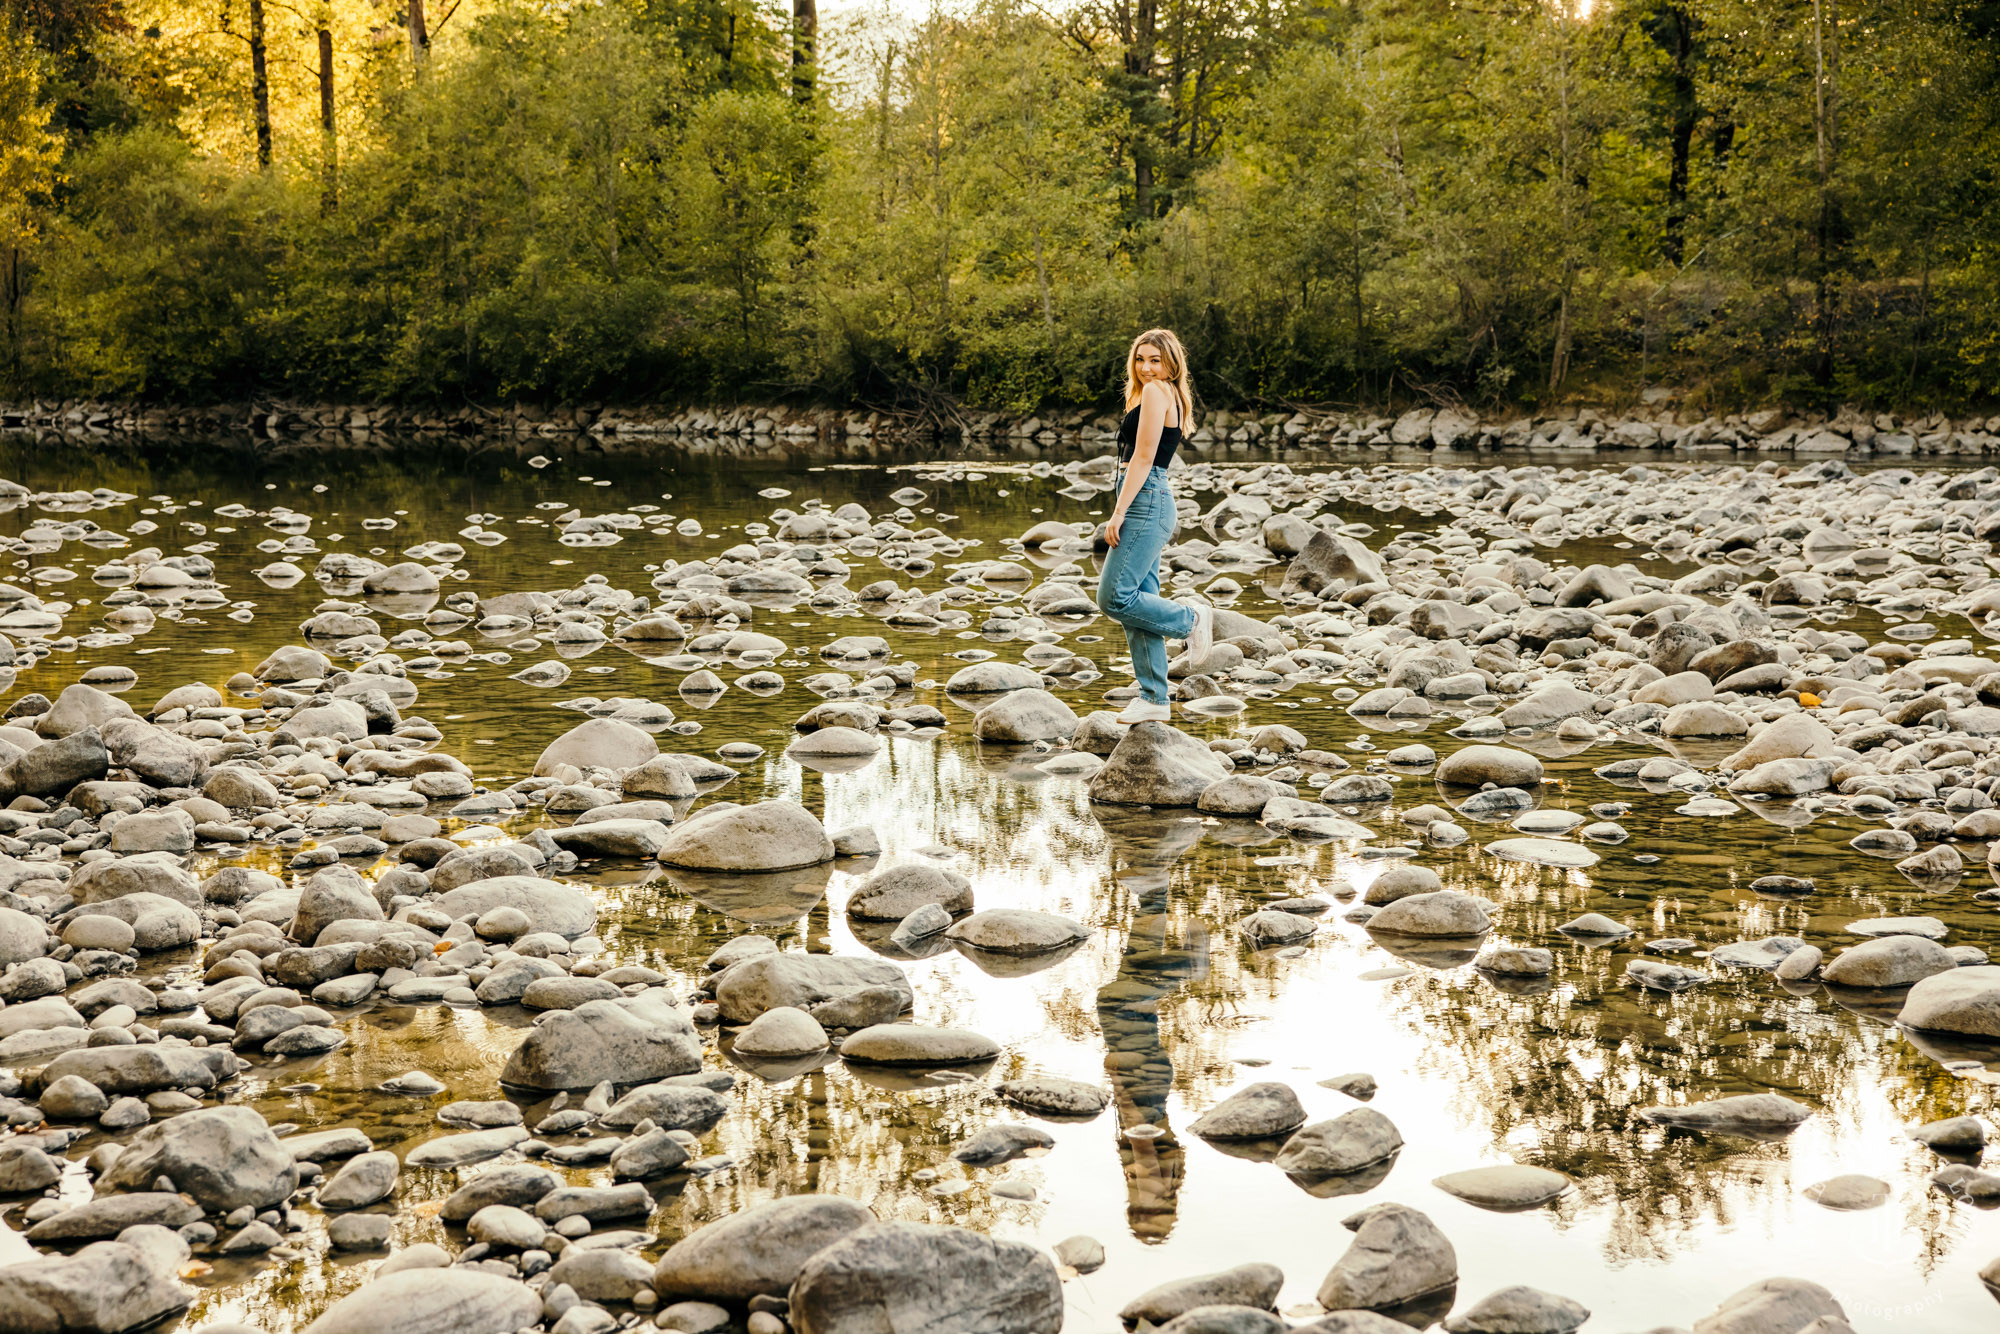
[1144, 847]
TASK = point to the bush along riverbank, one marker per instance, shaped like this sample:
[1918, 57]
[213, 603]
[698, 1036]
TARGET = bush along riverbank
[1656, 426]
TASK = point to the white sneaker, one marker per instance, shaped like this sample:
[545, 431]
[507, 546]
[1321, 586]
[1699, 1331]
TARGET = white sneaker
[1202, 638]
[1141, 710]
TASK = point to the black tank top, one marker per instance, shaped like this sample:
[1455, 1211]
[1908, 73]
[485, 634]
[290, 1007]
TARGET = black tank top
[1128, 440]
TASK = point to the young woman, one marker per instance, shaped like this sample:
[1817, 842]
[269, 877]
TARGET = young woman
[1158, 405]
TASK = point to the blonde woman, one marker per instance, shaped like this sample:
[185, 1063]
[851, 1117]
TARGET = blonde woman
[1159, 405]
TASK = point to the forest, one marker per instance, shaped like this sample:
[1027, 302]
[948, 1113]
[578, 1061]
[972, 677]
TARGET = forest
[1492, 203]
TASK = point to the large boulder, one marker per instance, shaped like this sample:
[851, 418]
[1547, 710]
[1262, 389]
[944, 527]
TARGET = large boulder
[336, 894]
[1155, 764]
[766, 981]
[22, 937]
[224, 1157]
[1330, 561]
[1964, 1000]
[758, 1250]
[54, 767]
[1023, 717]
[1398, 1255]
[598, 743]
[160, 757]
[922, 1276]
[993, 677]
[549, 906]
[144, 1069]
[105, 1288]
[78, 707]
[1502, 766]
[1795, 736]
[1443, 912]
[764, 836]
[459, 1300]
[1891, 961]
[631, 1041]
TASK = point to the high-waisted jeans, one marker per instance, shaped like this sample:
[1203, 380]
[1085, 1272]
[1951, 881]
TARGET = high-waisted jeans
[1128, 591]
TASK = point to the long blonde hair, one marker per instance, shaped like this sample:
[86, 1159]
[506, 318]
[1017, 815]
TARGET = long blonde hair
[1176, 358]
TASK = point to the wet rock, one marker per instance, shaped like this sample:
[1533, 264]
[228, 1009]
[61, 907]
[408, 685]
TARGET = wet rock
[1259, 1111]
[1052, 1096]
[1744, 1113]
[648, 1157]
[1397, 1256]
[917, 1044]
[522, 1185]
[1849, 1193]
[1267, 928]
[1251, 1285]
[671, 1106]
[628, 1041]
[603, 1274]
[1520, 1310]
[1446, 912]
[1656, 976]
[784, 1031]
[598, 743]
[54, 767]
[363, 1180]
[1016, 931]
[433, 1301]
[893, 893]
[748, 988]
[1347, 1143]
[1502, 766]
[1888, 961]
[140, 1070]
[1964, 1000]
[105, 1288]
[360, 1232]
[1507, 1186]
[1330, 561]
[224, 1157]
[923, 1276]
[756, 1251]
[1225, 1320]
[112, 1214]
[766, 836]
[1022, 717]
[1401, 882]
[1789, 1304]
[1155, 764]
[1958, 1134]
[549, 906]
[1799, 964]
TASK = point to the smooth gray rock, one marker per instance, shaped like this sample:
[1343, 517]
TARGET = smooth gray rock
[1253, 1285]
[1050, 1095]
[1256, 1112]
[520, 1184]
[1347, 1143]
[1520, 1310]
[433, 1301]
[602, 1274]
[917, 1044]
[1397, 1255]
[893, 893]
[363, 1180]
[628, 1041]
[1017, 931]
[224, 1157]
[670, 1106]
[1504, 1186]
[1787, 1304]
[764, 836]
[1156, 764]
[1888, 961]
[105, 1288]
[1447, 912]
[1964, 1000]
[763, 982]
[758, 1250]
[1751, 1112]
[920, 1276]
[549, 906]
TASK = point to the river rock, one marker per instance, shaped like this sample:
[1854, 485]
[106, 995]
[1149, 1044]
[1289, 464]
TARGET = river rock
[224, 1157]
[1053, 1096]
[1502, 766]
[628, 1041]
[751, 986]
[1251, 1285]
[549, 906]
[1259, 1111]
[1016, 931]
[1347, 1143]
[1888, 961]
[1023, 717]
[363, 1180]
[893, 893]
[1397, 1255]
[765, 836]
[1749, 1112]
[1445, 912]
[780, 1032]
[917, 1044]
[1964, 1000]
[922, 1276]
[758, 1250]
[433, 1301]
[1155, 764]
[598, 743]
[1789, 1304]
[105, 1288]
[1506, 1186]
[1520, 1310]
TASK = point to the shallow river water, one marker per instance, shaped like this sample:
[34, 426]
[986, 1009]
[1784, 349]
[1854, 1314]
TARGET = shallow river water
[1164, 1002]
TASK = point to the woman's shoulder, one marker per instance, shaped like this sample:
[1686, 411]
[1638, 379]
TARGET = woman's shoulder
[1156, 391]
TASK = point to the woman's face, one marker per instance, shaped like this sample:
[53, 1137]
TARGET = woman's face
[1151, 364]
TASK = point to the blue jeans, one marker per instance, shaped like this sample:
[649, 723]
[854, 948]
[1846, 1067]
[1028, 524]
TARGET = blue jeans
[1128, 590]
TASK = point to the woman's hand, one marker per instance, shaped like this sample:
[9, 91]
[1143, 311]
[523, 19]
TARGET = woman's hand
[1111, 530]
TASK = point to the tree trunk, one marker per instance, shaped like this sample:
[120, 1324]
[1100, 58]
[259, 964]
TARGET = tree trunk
[420, 35]
[805, 50]
[10, 289]
[1139, 65]
[1042, 277]
[329, 147]
[1686, 110]
[260, 86]
[1826, 72]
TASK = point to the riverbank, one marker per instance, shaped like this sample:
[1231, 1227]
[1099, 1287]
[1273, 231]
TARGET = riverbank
[1658, 426]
